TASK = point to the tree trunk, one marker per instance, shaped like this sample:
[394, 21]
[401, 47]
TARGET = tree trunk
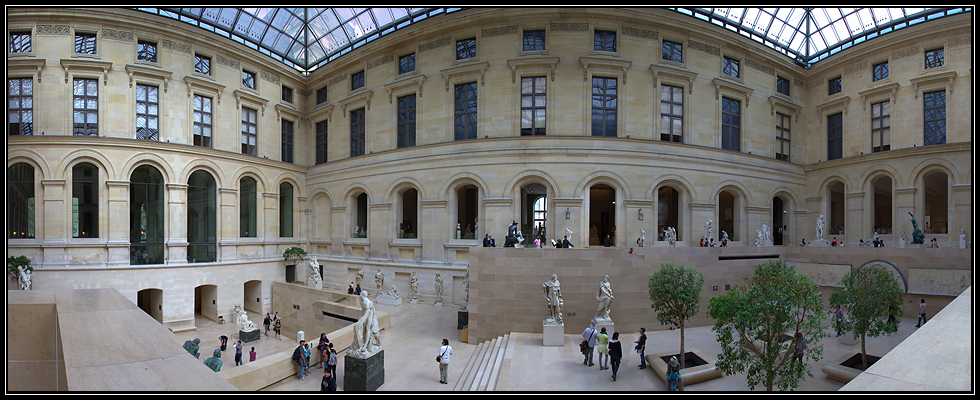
[864, 353]
[680, 383]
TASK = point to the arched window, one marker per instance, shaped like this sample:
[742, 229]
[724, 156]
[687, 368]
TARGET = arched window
[246, 210]
[85, 201]
[146, 216]
[20, 200]
[201, 219]
[285, 210]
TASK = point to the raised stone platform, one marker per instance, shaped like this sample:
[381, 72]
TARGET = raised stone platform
[364, 375]
[389, 300]
[689, 375]
[250, 336]
[554, 334]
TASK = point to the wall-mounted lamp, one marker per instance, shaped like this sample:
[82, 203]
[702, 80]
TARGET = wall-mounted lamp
[640, 215]
[568, 214]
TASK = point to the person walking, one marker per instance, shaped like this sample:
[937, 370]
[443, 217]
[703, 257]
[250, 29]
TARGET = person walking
[267, 322]
[922, 314]
[278, 328]
[673, 374]
[615, 354]
[329, 383]
[641, 346]
[590, 335]
[602, 346]
[238, 353]
[300, 360]
[443, 358]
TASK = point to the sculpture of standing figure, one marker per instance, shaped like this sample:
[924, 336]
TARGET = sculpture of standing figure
[214, 362]
[917, 236]
[672, 237]
[438, 288]
[315, 269]
[24, 277]
[414, 285]
[605, 298]
[552, 294]
[359, 277]
[242, 320]
[379, 279]
[367, 331]
[707, 228]
[466, 287]
[820, 227]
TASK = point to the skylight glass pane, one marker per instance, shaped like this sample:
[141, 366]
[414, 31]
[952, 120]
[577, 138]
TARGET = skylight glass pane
[383, 16]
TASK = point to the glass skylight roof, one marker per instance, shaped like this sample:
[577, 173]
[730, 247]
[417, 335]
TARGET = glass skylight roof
[307, 38]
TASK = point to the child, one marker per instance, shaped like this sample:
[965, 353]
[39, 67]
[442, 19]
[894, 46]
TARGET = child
[251, 355]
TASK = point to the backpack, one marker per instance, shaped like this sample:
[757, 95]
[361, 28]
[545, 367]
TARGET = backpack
[296, 354]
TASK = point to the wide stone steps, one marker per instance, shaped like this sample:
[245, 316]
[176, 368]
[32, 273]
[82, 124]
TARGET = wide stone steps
[483, 368]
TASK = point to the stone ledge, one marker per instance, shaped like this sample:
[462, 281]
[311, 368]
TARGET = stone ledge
[690, 375]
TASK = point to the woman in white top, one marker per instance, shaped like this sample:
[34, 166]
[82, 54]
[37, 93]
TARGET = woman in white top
[443, 358]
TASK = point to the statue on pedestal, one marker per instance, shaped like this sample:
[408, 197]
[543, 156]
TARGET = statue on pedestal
[379, 280]
[707, 229]
[552, 294]
[414, 286]
[438, 288]
[514, 237]
[367, 331]
[917, 236]
[192, 347]
[672, 237]
[242, 320]
[605, 297]
[315, 269]
[820, 227]
[214, 362]
[24, 277]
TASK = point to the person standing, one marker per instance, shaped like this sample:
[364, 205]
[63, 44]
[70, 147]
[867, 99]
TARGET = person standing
[300, 360]
[673, 374]
[443, 358]
[641, 346]
[590, 336]
[839, 316]
[322, 348]
[486, 240]
[800, 346]
[306, 356]
[267, 322]
[607, 241]
[238, 353]
[565, 244]
[602, 346]
[251, 355]
[332, 360]
[278, 328]
[329, 383]
[615, 354]
[922, 314]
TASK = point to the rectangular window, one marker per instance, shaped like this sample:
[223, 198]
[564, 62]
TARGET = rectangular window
[879, 71]
[85, 43]
[357, 132]
[782, 137]
[147, 113]
[146, 51]
[406, 121]
[464, 114]
[835, 136]
[672, 52]
[249, 131]
[20, 42]
[466, 48]
[357, 80]
[287, 141]
[671, 114]
[604, 93]
[934, 117]
[287, 94]
[85, 107]
[321, 95]
[731, 124]
[248, 79]
[321, 142]
[534, 94]
[406, 63]
[202, 121]
[604, 41]
[934, 58]
[85, 201]
[533, 40]
[782, 85]
[20, 106]
[202, 64]
[730, 67]
[880, 127]
[833, 86]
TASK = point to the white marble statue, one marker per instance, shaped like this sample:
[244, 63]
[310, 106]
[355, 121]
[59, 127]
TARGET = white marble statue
[24, 277]
[315, 269]
[672, 237]
[242, 320]
[568, 231]
[724, 236]
[414, 286]
[903, 235]
[821, 224]
[438, 288]
[359, 277]
[367, 331]
[466, 287]
[764, 236]
[379, 280]
[605, 297]
[552, 295]
[643, 237]
[707, 229]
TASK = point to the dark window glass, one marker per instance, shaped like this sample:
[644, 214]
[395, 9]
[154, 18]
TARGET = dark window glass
[533, 40]
[672, 51]
[287, 94]
[321, 142]
[934, 116]
[835, 136]
[147, 113]
[934, 58]
[782, 137]
[833, 86]
[146, 51]
[249, 131]
[671, 114]
[20, 200]
[202, 121]
[466, 48]
[85, 201]
[730, 67]
[406, 121]
[604, 41]
[464, 113]
[880, 127]
[880, 71]
[146, 216]
[285, 210]
[604, 99]
[321, 95]
[534, 92]
[20, 106]
[357, 132]
[357, 80]
[406, 63]
[202, 64]
[85, 107]
[85, 43]
[782, 85]
[731, 124]
[202, 241]
[20, 42]
[248, 79]
[247, 210]
[287, 141]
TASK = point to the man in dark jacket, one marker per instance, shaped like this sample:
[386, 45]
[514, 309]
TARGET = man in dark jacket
[565, 244]
[486, 240]
[329, 383]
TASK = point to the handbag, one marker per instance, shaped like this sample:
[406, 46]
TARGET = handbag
[439, 357]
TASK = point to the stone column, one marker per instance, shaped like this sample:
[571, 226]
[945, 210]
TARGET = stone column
[176, 214]
[856, 223]
[54, 234]
[117, 228]
[380, 230]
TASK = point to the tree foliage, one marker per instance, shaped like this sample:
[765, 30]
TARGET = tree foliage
[873, 300]
[752, 319]
[675, 294]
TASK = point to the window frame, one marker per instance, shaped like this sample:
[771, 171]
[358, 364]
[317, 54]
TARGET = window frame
[20, 111]
[938, 58]
[210, 126]
[248, 80]
[670, 116]
[466, 133]
[403, 68]
[535, 108]
[832, 84]
[79, 183]
[203, 60]
[321, 95]
[537, 36]
[406, 128]
[147, 115]
[879, 71]
[91, 38]
[147, 44]
[728, 64]
[86, 97]
[926, 121]
[729, 142]
[358, 121]
[20, 33]
[287, 139]
[783, 86]
[835, 136]
[250, 148]
[322, 146]
[286, 94]
[357, 80]
[605, 109]
[676, 48]
[783, 136]
[468, 50]
[878, 128]
[605, 40]
[248, 208]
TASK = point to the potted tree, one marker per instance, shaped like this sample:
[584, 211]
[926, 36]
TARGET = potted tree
[675, 294]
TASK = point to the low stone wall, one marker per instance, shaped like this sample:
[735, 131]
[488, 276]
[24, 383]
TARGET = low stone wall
[35, 361]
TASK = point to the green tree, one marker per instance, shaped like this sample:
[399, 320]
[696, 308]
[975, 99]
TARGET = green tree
[675, 294]
[774, 305]
[873, 300]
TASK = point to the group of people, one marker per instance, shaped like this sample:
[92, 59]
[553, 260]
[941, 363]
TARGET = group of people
[610, 351]
[354, 289]
[488, 241]
[710, 242]
[328, 362]
[274, 323]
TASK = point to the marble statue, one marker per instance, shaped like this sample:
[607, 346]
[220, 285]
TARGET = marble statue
[192, 347]
[242, 320]
[605, 297]
[379, 280]
[672, 237]
[24, 277]
[724, 236]
[707, 229]
[394, 291]
[466, 287]
[917, 236]
[367, 331]
[874, 237]
[315, 269]
[214, 362]
[903, 236]
[643, 237]
[552, 294]
[359, 277]
[514, 237]
[821, 224]
[414, 286]
[764, 236]
[438, 288]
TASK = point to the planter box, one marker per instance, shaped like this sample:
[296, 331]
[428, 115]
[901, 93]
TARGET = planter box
[841, 372]
[689, 375]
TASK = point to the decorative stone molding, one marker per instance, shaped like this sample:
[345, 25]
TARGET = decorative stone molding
[643, 33]
[942, 76]
[53, 30]
[959, 40]
[194, 83]
[659, 70]
[841, 101]
[270, 78]
[227, 62]
[780, 101]
[855, 68]
[125, 36]
[759, 66]
[22, 67]
[73, 66]
[569, 27]
[732, 86]
[155, 75]
[911, 51]
[357, 98]
[176, 46]
[707, 48]
[283, 109]
[381, 61]
[497, 31]
[404, 84]
[337, 79]
[548, 62]
[878, 91]
[463, 71]
[434, 44]
[594, 63]
[242, 96]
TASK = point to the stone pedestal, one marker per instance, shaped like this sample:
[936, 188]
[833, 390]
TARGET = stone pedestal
[438, 304]
[820, 243]
[554, 334]
[364, 375]
[462, 319]
[901, 243]
[300, 335]
[413, 301]
[604, 323]
[313, 283]
[249, 336]
[962, 241]
[389, 299]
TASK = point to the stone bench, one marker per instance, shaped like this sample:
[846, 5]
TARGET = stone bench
[689, 375]
[185, 328]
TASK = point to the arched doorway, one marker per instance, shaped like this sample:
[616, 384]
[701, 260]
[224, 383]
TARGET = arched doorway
[881, 204]
[936, 207]
[359, 222]
[206, 302]
[602, 214]
[467, 216]
[835, 209]
[729, 213]
[151, 301]
[668, 212]
[252, 297]
[534, 212]
[408, 214]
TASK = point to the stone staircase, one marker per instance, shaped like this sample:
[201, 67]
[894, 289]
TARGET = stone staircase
[483, 368]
